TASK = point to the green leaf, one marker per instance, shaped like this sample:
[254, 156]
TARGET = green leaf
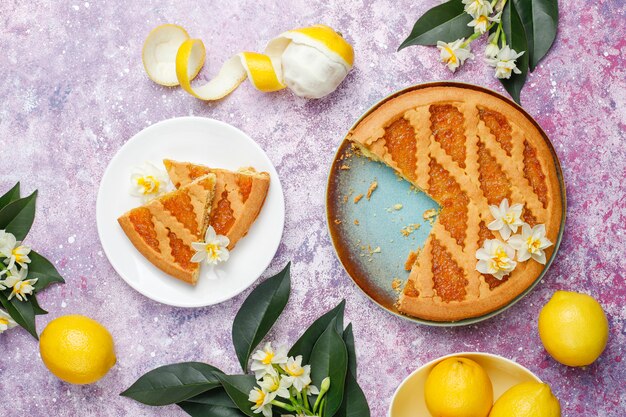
[354, 403]
[348, 339]
[305, 344]
[17, 217]
[21, 311]
[540, 19]
[43, 270]
[207, 410]
[258, 314]
[214, 403]
[329, 358]
[10, 196]
[36, 307]
[446, 22]
[516, 39]
[238, 388]
[171, 384]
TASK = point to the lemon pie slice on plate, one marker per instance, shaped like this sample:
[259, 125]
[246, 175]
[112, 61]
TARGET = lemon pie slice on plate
[239, 195]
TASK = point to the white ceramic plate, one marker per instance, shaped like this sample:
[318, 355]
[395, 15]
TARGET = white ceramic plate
[408, 400]
[203, 141]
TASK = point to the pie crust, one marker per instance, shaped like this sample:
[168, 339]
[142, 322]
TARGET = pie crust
[239, 195]
[164, 229]
[467, 149]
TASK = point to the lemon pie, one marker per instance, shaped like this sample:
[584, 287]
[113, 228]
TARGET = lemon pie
[467, 149]
[164, 229]
[239, 195]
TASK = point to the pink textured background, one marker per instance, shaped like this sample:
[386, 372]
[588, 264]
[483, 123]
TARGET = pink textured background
[73, 91]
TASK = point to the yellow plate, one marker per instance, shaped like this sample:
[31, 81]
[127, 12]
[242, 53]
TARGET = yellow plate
[408, 400]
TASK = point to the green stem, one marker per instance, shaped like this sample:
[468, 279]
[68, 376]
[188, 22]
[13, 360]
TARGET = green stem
[283, 405]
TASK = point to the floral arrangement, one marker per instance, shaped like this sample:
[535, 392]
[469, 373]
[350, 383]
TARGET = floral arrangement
[315, 377]
[520, 33]
[23, 272]
[497, 257]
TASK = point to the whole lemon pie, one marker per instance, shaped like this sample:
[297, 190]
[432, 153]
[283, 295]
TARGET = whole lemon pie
[164, 229]
[239, 195]
[468, 150]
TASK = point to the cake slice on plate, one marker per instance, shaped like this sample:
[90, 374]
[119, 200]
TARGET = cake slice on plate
[239, 195]
[164, 229]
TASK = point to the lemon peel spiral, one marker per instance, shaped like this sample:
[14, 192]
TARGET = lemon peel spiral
[310, 61]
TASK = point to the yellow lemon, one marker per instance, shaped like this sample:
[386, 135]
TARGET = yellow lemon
[573, 328]
[77, 349]
[458, 387]
[528, 399]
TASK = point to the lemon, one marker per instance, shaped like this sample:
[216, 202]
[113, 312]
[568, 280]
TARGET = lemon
[77, 349]
[573, 328]
[458, 387]
[528, 399]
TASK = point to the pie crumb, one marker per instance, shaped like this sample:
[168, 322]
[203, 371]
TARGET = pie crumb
[370, 190]
[429, 215]
[344, 167]
[410, 260]
[396, 284]
[407, 230]
[358, 198]
[337, 221]
[356, 222]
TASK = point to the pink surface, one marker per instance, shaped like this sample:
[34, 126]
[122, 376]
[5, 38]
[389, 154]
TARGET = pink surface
[73, 91]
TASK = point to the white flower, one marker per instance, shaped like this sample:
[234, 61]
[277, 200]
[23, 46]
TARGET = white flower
[263, 360]
[13, 251]
[214, 249]
[477, 8]
[504, 62]
[481, 22]
[148, 181]
[6, 322]
[17, 280]
[495, 258]
[274, 383]
[454, 54]
[262, 401]
[492, 49]
[531, 243]
[507, 219]
[298, 375]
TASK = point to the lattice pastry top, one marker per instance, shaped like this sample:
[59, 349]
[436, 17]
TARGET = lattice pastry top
[467, 149]
[164, 229]
[239, 195]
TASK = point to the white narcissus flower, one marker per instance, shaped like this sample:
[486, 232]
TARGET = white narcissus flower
[213, 250]
[531, 243]
[263, 360]
[276, 384]
[507, 219]
[13, 251]
[299, 376]
[6, 321]
[454, 54]
[480, 23]
[262, 401]
[492, 49]
[495, 258]
[148, 181]
[477, 8]
[504, 62]
[21, 286]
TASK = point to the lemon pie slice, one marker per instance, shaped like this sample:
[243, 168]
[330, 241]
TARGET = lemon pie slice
[467, 149]
[164, 229]
[239, 195]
